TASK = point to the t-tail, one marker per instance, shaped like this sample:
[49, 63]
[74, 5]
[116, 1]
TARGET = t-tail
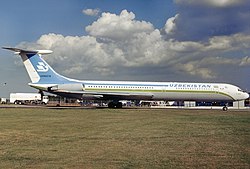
[39, 71]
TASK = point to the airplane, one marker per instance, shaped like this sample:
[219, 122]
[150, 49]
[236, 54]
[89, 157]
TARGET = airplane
[44, 78]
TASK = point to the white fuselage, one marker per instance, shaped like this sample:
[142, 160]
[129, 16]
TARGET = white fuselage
[172, 90]
[177, 91]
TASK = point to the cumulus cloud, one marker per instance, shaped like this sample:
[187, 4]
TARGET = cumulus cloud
[115, 27]
[91, 12]
[119, 45]
[170, 25]
[194, 69]
[229, 43]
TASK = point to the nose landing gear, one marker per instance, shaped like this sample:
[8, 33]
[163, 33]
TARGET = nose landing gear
[225, 108]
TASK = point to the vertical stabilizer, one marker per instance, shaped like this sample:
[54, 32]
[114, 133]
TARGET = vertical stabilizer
[38, 69]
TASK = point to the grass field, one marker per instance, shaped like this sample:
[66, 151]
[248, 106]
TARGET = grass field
[124, 138]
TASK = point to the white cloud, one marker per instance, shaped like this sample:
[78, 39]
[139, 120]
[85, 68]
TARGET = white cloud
[170, 25]
[127, 44]
[229, 43]
[194, 69]
[91, 12]
[118, 27]
[245, 61]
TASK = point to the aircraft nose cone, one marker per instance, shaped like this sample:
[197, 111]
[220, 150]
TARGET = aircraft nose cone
[247, 96]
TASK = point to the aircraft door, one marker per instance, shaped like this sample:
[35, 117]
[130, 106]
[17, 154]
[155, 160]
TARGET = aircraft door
[83, 86]
[163, 88]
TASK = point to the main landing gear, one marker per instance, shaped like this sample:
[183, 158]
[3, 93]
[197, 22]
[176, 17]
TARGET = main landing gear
[115, 105]
[225, 107]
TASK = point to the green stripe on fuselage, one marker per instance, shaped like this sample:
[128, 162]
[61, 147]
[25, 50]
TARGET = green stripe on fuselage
[156, 91]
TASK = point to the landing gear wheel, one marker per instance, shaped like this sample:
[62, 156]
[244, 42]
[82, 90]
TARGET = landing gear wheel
[115, 105]
[111, 105]
[119, 105]
[225, 108]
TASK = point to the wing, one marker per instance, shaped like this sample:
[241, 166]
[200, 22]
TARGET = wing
[104, 95]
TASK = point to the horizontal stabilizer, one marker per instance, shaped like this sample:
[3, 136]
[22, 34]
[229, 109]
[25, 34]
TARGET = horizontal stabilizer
[18, 51]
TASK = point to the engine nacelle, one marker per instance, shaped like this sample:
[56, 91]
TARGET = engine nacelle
[68, 87]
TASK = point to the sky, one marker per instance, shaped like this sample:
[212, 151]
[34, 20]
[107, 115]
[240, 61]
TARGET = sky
[137, 40]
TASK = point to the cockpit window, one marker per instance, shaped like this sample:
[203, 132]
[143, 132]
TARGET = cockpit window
[241, 90]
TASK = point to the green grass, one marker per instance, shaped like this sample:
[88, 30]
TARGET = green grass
[124, 138]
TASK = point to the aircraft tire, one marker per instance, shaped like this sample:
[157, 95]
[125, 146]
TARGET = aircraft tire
[111, 105]
[119, 105]
[225, 108]
[115, 105]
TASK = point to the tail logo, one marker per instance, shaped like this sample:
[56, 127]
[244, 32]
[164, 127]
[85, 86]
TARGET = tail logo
[41, 67]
